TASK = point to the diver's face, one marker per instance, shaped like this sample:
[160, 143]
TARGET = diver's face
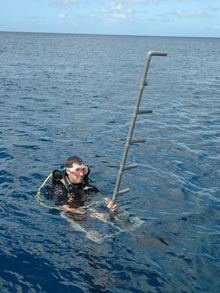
[76, 173]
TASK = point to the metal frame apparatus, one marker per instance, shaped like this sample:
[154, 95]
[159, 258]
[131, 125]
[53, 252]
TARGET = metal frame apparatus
[129, 140]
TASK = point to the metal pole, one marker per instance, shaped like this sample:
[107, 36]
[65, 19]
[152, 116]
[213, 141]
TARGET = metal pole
[133, 120]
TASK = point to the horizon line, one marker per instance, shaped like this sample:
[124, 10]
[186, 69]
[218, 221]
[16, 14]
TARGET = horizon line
[103, 34]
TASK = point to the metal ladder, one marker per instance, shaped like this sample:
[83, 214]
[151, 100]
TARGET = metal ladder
[129, 140]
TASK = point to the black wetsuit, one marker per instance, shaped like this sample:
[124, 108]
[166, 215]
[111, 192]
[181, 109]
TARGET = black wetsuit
[64, 192]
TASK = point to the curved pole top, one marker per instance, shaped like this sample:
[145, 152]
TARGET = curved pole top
[156, 53]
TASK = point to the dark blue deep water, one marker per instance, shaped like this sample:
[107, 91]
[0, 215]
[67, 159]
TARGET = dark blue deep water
[62, 95]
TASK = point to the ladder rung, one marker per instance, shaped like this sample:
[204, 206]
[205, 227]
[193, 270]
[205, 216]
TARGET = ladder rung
[128, 167]
[123, 191]
[138, 140]
[145, 111]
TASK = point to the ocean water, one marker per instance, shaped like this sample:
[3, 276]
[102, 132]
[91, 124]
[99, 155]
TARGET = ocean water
[62, 95]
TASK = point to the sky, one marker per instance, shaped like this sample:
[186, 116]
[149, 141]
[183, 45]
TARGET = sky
[183, 18]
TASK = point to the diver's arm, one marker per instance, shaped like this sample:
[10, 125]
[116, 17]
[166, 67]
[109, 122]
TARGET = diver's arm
[66, 208]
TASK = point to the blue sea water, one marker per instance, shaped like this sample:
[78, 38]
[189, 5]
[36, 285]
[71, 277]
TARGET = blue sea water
[74, 94]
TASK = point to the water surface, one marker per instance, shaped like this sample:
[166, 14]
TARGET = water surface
[62, 95]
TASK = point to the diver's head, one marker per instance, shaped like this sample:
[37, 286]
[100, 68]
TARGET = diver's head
[75, 169]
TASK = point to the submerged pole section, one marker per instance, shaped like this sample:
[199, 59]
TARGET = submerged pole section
[132, 124]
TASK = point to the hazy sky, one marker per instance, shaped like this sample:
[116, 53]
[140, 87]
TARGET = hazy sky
[196, 18]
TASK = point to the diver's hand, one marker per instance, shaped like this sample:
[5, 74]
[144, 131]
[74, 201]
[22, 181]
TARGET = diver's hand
[66, 208]
[109, 204]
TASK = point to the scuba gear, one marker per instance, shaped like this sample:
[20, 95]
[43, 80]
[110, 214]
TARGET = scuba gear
[62, 191]
[57, 176]
[60, 177]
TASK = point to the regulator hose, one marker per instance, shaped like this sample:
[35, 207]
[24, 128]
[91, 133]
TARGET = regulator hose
[39, 194]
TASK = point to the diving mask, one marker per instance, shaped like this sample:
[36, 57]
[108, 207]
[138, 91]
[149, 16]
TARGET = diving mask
[78, 169]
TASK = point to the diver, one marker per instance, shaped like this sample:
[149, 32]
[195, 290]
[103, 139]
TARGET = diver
[70, 187]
